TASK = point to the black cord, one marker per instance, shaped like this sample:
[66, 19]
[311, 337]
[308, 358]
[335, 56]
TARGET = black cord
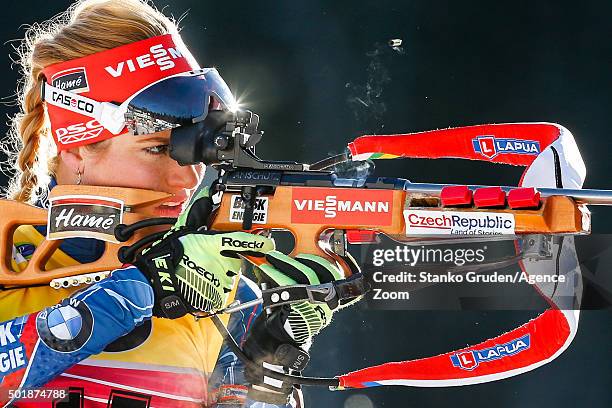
[127, 254]
[124, 232]
[558, 178]
[558, 266]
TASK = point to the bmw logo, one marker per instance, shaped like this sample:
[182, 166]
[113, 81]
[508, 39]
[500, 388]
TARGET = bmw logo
[66, 327]
[65, 322]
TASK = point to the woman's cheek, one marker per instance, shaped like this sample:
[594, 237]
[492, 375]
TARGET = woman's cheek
[146, 175]
[130, 172]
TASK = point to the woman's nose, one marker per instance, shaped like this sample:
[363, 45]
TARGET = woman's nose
[183, 177]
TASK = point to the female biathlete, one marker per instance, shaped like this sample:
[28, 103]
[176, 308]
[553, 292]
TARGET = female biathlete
[105, 84]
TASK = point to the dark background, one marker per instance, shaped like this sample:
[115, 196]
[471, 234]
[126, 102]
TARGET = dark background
[309, 68]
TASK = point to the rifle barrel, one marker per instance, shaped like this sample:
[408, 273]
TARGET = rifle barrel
[581, 196]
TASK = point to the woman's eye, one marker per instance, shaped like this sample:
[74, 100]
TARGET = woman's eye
[157, 150]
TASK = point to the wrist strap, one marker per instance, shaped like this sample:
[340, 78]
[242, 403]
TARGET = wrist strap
[333, 293]
[159, 264]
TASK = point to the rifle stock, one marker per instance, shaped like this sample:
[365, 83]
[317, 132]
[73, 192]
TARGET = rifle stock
[556, 214]
[138, 205]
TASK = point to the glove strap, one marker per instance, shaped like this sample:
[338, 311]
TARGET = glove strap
[332, 293]
[160, 262]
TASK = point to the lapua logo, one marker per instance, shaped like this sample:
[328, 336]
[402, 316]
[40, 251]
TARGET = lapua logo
[73, 80]
[78, 132]
[158, 56]
[490, 146]
[470, 359]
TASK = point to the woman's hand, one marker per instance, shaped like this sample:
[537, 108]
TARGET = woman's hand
[279, 341]
[194, 270]
[306, 319]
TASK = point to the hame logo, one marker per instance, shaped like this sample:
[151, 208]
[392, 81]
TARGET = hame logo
[73, 80]
[469, 360]
[491, 146]
[323, 205]
[84, 216]
[158, 56]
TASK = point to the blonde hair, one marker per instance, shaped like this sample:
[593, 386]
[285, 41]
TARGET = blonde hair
[87, 27]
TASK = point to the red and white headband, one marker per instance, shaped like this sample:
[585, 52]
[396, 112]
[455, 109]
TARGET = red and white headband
[74, 87]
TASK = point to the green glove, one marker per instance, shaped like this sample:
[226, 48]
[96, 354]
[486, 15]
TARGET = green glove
[193, 270]
[306, 319]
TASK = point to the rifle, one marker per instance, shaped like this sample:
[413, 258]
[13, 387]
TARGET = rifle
[325, 211]
[322, 210]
